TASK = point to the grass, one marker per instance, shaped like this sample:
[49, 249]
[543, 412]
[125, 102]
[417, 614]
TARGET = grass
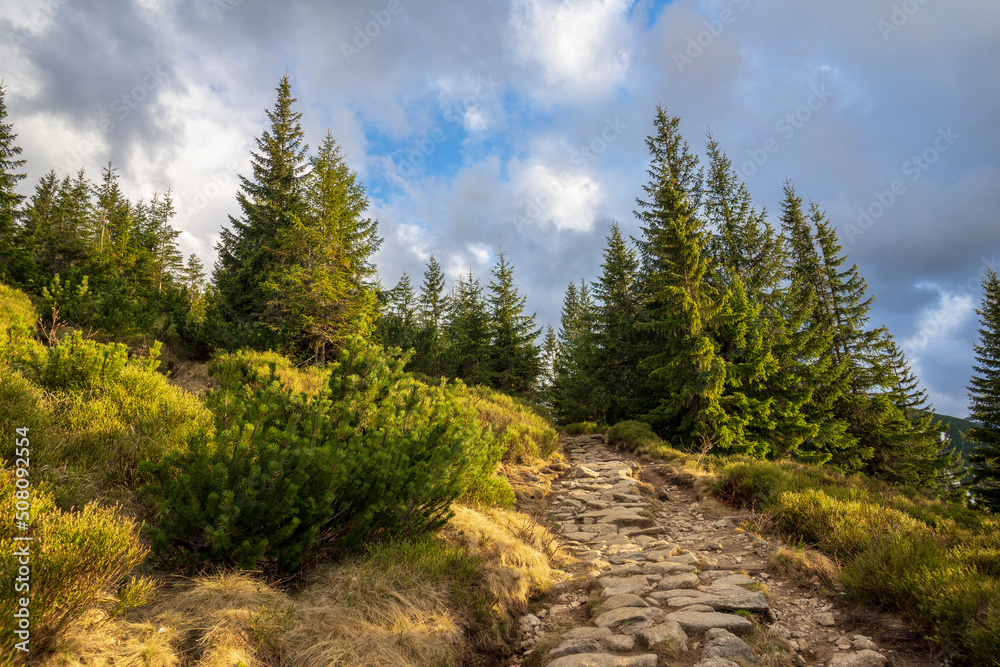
[939, 563]
[527, 433]
[639, 437]
[582, 428]
[433, 601]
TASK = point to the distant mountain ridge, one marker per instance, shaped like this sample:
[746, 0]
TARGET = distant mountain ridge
[954, 427]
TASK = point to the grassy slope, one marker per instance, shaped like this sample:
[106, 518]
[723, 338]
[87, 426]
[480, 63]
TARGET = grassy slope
[439, 600]
[955, 427]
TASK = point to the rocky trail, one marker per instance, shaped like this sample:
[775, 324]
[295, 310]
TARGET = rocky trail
[667, 578]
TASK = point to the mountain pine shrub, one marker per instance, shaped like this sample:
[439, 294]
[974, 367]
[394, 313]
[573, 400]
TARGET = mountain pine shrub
[375, 454]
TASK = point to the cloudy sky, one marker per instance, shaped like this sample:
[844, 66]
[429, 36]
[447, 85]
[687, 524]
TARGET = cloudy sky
[520, 124]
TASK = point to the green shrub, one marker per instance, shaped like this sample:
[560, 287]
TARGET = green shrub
[17, 326]
[376, 455]
[22, 405]
[77, 560]
[581, 428]
[247, 366]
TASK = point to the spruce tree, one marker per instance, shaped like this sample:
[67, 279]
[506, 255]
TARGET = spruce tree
[618, 309]
[467, 332]
[574, 387]
[272, 201]
[432, 305]
[320, 291]
[513, 356]
[811, 375]
[168, 261]
[546, 378]
[686, 374]
[10, 201]
[398, 323]
[984, 390]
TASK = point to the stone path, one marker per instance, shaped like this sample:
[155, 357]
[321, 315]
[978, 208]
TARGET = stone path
[653, 590]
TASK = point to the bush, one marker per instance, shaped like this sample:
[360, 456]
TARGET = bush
[581, 428]
[249, 367]
[17, 326]
[639, 437]
[375, 455]
[77, 561]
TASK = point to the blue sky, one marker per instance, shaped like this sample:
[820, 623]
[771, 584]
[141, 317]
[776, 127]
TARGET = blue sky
[521, 124]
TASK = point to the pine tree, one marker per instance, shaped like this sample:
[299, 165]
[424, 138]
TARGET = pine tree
[686, 374]
[168, 261]
[272, 201]
[467, 332]
[513, 357]
[546, 379]
[431, 308]
[744, 244]
[320, 291]
[398, 324]
[808, 370]
[574, 384]
[619, 308]
[984, 390]
[10, 201]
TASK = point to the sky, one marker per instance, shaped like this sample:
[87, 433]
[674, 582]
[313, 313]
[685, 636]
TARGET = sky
[521, 124]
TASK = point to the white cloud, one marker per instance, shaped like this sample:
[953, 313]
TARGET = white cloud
[582, 46]
[566, 200]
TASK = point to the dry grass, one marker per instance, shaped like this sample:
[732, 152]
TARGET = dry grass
[805, 566]
[434, 602]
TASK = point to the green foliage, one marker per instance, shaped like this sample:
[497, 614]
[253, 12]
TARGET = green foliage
[938, 562]
[525, 432]
[78, 561]
[17, 326]
[376, 455]
[985, 392]
[574, 392]
[639, 437]
[581, 428]
[10, 200]
[513, 361]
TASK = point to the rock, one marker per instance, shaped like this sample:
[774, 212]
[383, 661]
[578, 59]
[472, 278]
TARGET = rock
[617, 617]
[862, 643]
[723, 644]
[625, 600]
[670, 633]
[604, 660]
[529, 621]
[625, 517]
[684, 559]
[584, 471]
[716, 662]
[613, 582]
[672, 581]
[666, 567]
[573, 646]
[732, 580]
[620, 643]
[826, 620]
[700, 621]
[859, 659]
[588, 633]
[661, 553]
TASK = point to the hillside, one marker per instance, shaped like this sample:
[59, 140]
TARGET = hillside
[956, 426]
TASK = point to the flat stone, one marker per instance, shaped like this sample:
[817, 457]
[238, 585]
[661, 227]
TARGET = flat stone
[826, 620]
[584, 471]
[721, 643]
[613, 582]
[605, 660]
[587, 633]
[862, 643]
[672, 581]
[661, 553]
[865, 658]
[616, 617]
[573, 646]
[686, 559]
[625, 589]
[626, 518]
[715, 662]
[732, 580]
[620, 643]
[625, 600]
[670, 633]
[666, 567]
[700, 621]
[625, 571]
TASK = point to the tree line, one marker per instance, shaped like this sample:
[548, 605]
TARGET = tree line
[717, 328]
